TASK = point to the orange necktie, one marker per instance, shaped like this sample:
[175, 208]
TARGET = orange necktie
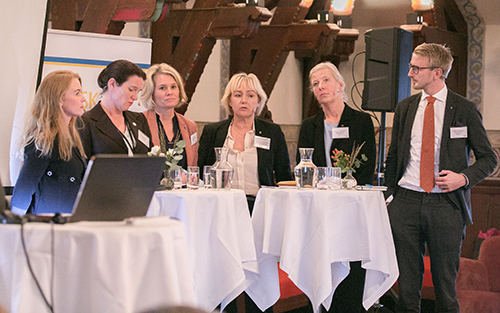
[427, 151]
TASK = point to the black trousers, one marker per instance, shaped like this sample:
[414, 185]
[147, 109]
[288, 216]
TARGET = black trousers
[418, 218]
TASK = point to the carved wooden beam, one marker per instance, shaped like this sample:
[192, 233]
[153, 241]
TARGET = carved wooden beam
[265, 54]
[103, 16]
[186, 39]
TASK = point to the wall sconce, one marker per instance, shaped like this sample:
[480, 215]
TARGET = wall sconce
[419, 7]
[342, 7]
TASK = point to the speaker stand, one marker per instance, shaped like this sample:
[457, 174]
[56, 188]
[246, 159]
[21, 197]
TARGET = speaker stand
[381, 149]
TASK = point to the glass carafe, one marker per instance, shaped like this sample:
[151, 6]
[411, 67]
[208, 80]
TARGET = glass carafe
[221, 173]
[306, 174]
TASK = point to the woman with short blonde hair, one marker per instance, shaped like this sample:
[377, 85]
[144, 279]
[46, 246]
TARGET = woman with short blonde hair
[257, 148]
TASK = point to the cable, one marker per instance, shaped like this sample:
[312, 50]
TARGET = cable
[359, 93]
[52, 252]
[31, 269]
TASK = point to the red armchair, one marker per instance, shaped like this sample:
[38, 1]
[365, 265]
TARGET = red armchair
[478, 282]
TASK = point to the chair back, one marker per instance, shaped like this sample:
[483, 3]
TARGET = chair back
[489, 254]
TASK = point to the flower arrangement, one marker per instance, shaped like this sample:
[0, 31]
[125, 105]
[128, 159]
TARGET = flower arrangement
[173, 156]
[348, 162]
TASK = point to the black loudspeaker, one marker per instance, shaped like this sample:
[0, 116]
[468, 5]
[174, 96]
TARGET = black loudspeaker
[388, 53]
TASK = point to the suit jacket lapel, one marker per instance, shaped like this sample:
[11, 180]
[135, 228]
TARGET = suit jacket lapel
[449, 117]
[408, 126]
[319, 140]
[104, 124]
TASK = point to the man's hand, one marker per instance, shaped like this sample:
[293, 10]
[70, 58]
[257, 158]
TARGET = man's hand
[449, 181]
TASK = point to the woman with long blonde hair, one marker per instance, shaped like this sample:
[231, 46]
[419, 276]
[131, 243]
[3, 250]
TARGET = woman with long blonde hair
[54, 160]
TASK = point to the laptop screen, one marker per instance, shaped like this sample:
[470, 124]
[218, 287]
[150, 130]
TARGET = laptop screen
[117, 186]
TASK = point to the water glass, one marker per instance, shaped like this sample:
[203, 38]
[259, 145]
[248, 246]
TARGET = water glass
[206, 176]
[324, 175]
[177, 178]
[192, 177]
[335, 182]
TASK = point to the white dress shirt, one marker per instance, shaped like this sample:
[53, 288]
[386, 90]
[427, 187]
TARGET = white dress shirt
[411, 177]
[244, 163]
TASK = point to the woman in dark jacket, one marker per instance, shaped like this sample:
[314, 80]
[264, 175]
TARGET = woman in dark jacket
[257, 149]
[109, 128]
[54, 161]
[337, 126]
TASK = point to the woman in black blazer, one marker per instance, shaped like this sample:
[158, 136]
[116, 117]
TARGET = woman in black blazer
[109, 128]
[328, 87]
[257, 149]
[54, 161]
[357, 127]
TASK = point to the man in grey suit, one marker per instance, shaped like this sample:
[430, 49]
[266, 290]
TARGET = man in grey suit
[429, 201]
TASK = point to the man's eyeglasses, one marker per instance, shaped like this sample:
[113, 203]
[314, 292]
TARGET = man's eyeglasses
[415, 69]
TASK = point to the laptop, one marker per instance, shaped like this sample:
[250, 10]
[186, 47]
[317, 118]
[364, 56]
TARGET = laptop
[116, 187]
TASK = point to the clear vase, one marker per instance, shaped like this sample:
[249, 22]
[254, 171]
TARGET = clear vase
[349, 182]
[306, 174]
[221, 173]
[167, 182]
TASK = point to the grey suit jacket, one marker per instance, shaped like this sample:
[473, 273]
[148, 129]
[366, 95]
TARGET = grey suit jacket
[455, 153]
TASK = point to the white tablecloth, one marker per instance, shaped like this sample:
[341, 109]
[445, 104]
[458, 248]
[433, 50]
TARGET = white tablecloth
[314, 234]
[221, 238]
[98, 266]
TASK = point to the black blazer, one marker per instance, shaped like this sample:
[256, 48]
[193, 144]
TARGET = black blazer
[47, 184]
[455, 153]
[100, 136]
[272, 164]
[360, 130]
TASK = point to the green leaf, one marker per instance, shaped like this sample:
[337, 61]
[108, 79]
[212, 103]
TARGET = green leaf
[181, 144]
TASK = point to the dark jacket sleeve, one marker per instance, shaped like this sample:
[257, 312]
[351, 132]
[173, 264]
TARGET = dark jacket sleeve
[281, 162]
[206, 153]
[306, 137]
[365, 172]
[33, 169]
[478, 141]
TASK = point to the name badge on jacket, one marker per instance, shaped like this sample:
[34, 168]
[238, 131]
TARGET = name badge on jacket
[262, 142]
[340, 132]
[458, 132]
[143, 138]
[194, 138]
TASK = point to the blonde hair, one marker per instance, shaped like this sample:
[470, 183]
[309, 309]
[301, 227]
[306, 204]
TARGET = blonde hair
[46, 121]
[335, 72]
[253, 83]
[148, 90]
[439, 56]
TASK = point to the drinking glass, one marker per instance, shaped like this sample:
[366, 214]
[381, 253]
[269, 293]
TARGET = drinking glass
[206, 176]
[335, 182]
[192, 177]
[178, 178]
[324, 175]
